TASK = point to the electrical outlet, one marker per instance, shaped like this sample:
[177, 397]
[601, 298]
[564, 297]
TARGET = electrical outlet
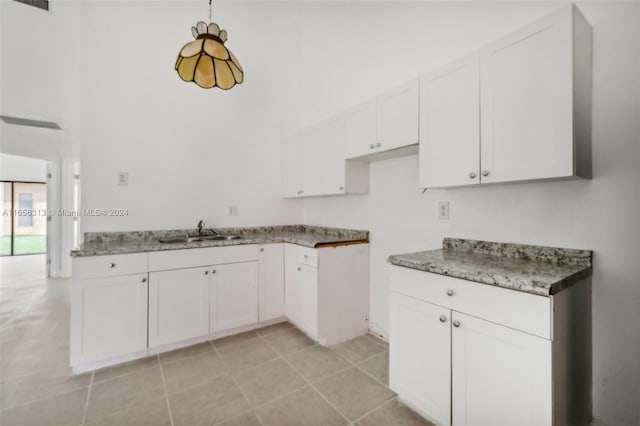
[123, 178]
[443, 210]
[234, 211]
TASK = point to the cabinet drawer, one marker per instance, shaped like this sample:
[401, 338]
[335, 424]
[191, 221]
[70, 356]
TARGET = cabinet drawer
[526, 312]
[110, 266]
[308, 256]
[195, 257]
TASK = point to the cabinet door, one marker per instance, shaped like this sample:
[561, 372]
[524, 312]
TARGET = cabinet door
[178, 305]
[108, 317]
[308, 288]
[398, 117]
[234, 296]
[291, 167]
[526, 103]
[270, 281]
[420, 356]
[360, 130]
[450, 125]
[500, 376]
[291, 284]
[323, 165]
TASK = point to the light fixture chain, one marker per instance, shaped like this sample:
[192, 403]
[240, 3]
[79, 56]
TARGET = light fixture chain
[210, 1]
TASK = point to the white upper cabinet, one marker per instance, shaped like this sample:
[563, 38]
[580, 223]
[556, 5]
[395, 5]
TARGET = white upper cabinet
[323, 168]
[534, 108]
[313, 163]
[450, 125]
[291, 166]
[398, 117]
[361, 130]
[526, 85]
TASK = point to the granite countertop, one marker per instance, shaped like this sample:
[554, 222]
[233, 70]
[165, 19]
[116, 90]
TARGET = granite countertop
[104, 243]
[532, 269]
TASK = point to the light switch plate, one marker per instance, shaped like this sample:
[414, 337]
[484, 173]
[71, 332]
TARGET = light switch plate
[443, 210]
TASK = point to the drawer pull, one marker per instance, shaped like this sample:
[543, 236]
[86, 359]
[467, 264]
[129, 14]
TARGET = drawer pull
[262, 249]
[450, 292]
[299, 268]
[112, 265]
[206, 272]
[213, 272]
[456, 323]
[144, 280]
[443, 318]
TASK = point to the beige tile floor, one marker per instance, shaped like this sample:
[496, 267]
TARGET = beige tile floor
[271, 376]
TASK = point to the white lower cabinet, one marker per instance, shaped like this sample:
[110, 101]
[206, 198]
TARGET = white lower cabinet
[492, 364]
[108, 317]
[420, 356]
[270, 282]
[327, 291]
[234, 296]
[500, 376]
[307, 282]
[178, 305]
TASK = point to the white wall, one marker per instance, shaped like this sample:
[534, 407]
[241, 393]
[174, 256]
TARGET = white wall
[369, 47]
[190, 153]
[25, 169]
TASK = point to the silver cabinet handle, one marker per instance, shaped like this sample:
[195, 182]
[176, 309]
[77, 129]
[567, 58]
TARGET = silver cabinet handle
[144, 280]
[306, 256]
[456, 323]
[342, 188]
[112, 265]
[472, 175]
[450, 292]
[299, 268]
[371, 146]
[206, 272]
[485, 173]
[378, 144]
[213, 272]
[443, 318]
[262, 249]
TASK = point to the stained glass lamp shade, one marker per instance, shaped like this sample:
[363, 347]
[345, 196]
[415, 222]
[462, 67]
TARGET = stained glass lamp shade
[206, 61]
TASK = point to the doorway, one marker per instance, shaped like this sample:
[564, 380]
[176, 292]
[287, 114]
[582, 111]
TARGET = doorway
[23, 229]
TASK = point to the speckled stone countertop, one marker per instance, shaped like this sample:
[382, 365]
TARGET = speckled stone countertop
[538, 270]
[104, 243]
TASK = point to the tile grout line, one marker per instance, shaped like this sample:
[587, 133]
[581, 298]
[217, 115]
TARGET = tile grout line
[86, 403]
[374, 409]
[164, 387]
[244, 395]
[306, 380]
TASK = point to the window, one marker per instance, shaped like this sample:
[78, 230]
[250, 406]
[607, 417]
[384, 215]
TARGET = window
[25, 204]
[40, 4]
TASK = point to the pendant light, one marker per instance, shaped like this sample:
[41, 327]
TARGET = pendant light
[206, 61]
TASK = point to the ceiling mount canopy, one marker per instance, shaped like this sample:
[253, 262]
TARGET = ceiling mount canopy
[206, 61]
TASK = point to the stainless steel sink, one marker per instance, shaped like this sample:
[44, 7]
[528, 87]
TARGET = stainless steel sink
[177, 240]
[222, 237]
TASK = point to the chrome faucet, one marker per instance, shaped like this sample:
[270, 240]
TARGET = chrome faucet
[200, 227]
